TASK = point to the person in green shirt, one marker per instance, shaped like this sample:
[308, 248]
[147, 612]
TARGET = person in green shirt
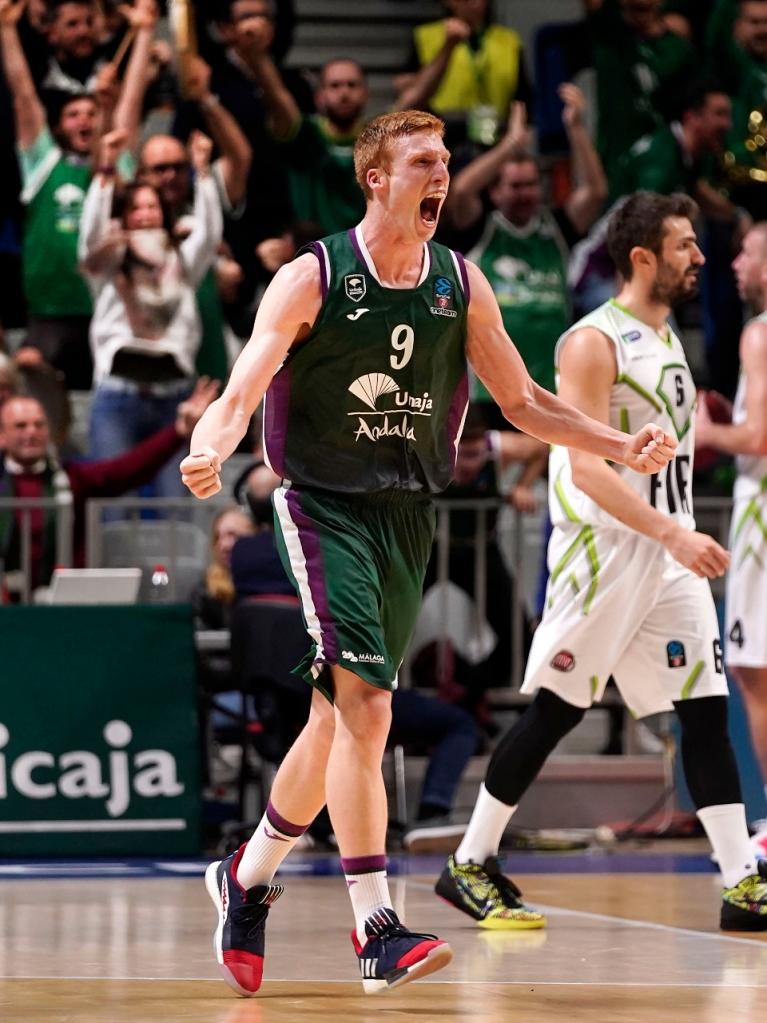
[318, 148]
[681, 156]
[641, 65]
[55, 173]
[524, 246]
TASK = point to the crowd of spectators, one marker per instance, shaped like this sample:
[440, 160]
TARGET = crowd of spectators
[155, 187]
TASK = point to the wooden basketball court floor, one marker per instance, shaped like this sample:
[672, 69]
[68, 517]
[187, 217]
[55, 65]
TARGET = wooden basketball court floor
[620, 947]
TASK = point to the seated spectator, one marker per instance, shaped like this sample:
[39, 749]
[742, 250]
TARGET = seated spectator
[641, 65]
[483, 459]
[256, 566]
[467, 67]
[30, 467]
[318, 148]
[212, 599]
[523, 245]
[145, 330]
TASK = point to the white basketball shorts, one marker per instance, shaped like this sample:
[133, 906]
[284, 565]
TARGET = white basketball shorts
[618, 604]
[746, 605]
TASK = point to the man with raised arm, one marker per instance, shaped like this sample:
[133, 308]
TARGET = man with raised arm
[360, 347]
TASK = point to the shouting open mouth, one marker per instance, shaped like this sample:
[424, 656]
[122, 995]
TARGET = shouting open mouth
[430, 207]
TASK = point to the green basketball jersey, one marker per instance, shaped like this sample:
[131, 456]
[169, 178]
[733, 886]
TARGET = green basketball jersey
[527, 271]
[374, 399]
[54, 201]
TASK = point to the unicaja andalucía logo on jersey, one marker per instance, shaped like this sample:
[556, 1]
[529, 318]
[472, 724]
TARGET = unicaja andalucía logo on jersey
[355, 286]
[395, 419]
[110, 775]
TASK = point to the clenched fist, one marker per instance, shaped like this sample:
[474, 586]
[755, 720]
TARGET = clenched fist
[649, 450]
[201, 473]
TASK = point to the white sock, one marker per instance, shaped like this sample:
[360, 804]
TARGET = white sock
[727, 832]
[269, 845]
[486, 827]
[368, 893]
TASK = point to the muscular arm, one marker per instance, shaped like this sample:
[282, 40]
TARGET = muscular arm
[590, 193]
[464, 199]
[282, 110]
[749, 437]
[587, 371]
[529, 407]
[426, 81]
[287, 311]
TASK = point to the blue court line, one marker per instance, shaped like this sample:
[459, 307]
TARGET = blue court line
[316, 865]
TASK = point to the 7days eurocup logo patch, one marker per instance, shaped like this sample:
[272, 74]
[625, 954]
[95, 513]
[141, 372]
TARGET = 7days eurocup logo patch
[355, 286]
[444, 298]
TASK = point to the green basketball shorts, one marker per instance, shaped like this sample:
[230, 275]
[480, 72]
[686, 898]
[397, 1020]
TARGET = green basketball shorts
[357, 563]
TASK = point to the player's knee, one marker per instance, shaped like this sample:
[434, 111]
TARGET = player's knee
[703, 720]
[559, 716]
[751, 680]
[367, 718]
[322, 718]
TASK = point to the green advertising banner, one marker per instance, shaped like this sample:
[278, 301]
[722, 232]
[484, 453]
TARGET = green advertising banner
[99, 752]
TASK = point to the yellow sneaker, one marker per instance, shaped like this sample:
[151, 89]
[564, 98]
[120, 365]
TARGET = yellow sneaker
[487, 895]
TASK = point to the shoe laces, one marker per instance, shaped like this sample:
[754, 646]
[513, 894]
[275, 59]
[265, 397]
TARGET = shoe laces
[385, 925]
[251, 914]
[394, 931]
[508, 891]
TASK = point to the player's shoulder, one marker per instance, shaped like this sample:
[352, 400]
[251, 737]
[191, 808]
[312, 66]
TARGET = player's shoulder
[753, 345]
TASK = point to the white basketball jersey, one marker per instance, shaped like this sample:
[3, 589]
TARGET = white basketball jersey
[653, 384]
[752, 469]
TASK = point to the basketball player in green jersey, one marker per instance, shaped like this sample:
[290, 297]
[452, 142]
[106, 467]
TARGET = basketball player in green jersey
[745, 624]
[628, 592]
[361, 349]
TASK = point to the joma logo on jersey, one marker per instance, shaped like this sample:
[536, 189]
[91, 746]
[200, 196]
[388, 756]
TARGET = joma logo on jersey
[355, 286]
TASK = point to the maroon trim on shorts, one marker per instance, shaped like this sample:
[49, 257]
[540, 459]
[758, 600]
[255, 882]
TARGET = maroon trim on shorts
[315, 572]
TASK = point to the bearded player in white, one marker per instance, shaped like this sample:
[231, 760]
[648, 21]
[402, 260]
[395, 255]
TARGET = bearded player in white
[746, 438]
[628, 594]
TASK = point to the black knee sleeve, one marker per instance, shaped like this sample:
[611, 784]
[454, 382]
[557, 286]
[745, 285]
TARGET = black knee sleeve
[708, 759]
[522, 751]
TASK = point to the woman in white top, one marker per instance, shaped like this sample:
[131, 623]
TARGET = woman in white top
[146, 329]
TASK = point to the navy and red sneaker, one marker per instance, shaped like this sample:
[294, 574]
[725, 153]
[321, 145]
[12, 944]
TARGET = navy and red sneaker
[239, 937]
[393, 955]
